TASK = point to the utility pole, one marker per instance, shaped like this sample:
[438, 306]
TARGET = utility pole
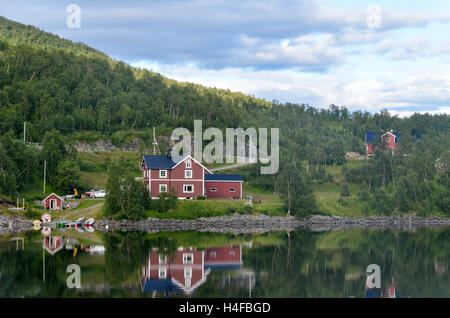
[24, 130]
[155, 142]
[45, 168]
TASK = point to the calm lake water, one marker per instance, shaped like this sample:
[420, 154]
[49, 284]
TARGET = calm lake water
[195, 264]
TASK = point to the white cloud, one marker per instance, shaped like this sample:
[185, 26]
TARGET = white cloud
[311, 51]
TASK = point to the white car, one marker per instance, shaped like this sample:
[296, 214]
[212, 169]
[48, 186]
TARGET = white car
[98, 194]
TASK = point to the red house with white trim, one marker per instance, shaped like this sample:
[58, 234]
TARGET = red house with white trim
[388, 140]
[188, 177]
[53, 202]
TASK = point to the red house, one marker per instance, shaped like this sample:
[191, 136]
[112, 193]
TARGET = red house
[388, 140]
[53, 202]
[225, 186]
[180, 271]
[188, 177]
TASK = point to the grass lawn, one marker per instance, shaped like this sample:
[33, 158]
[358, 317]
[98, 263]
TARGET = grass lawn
[94, 180]
[192, 209]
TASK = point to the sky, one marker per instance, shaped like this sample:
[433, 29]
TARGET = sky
[365, 55]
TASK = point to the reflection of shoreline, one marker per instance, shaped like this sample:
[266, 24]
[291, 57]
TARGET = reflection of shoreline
[237, 224]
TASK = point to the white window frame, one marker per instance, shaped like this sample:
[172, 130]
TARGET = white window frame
[162, 269]
[232, 190]
[185, 260]
[188, 272]
[187, 185]
[162, 184]
[162, 258]
[213, 254]
[188, 164]
[185, 174]
[213, 189]
[165, 174]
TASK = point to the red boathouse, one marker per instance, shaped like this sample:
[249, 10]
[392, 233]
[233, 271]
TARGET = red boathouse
[53, 202]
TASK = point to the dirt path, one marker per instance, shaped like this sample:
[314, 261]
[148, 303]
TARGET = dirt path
[88, 212]
[236, 165]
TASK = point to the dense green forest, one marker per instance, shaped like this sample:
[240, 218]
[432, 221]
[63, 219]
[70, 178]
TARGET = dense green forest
[69, 92]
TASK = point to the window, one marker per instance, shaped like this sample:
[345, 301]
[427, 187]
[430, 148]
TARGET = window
[188, 173]
[188, 258]
[162, 259]
[388, 139]
[163, 188]
[188, 165]
[188, 188]
[163, 173]
[162, 273]
[232, 190]
[232, 253]
[187, 272]
[213, 189]
[212, 254]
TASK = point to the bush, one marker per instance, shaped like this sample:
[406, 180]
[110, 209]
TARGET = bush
[364, 195]
[201, 197]
[345, 191]
[31, 213]
[167, 201]
[246, 209]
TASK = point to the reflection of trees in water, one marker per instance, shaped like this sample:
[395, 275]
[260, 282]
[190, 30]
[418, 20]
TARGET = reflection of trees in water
[303, 264]
[317, 264]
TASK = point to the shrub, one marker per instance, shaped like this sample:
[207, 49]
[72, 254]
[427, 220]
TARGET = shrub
[345, 191]
[246, 209]
[31, 213]
[201, 197]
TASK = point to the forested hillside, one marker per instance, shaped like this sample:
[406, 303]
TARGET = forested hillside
[67, 91]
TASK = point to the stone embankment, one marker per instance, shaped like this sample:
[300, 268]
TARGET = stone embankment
[245, 224]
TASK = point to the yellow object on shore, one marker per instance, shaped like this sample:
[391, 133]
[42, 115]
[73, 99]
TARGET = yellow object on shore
[36, 225]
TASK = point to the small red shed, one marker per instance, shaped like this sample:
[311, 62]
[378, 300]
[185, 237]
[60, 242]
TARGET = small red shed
[53, 202]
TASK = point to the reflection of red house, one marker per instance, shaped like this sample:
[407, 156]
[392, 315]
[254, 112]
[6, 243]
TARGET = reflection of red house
[228, 257]
[53, 244]
[53, 202]
[179, 271]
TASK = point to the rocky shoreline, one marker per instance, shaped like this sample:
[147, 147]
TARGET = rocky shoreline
[245, 224]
